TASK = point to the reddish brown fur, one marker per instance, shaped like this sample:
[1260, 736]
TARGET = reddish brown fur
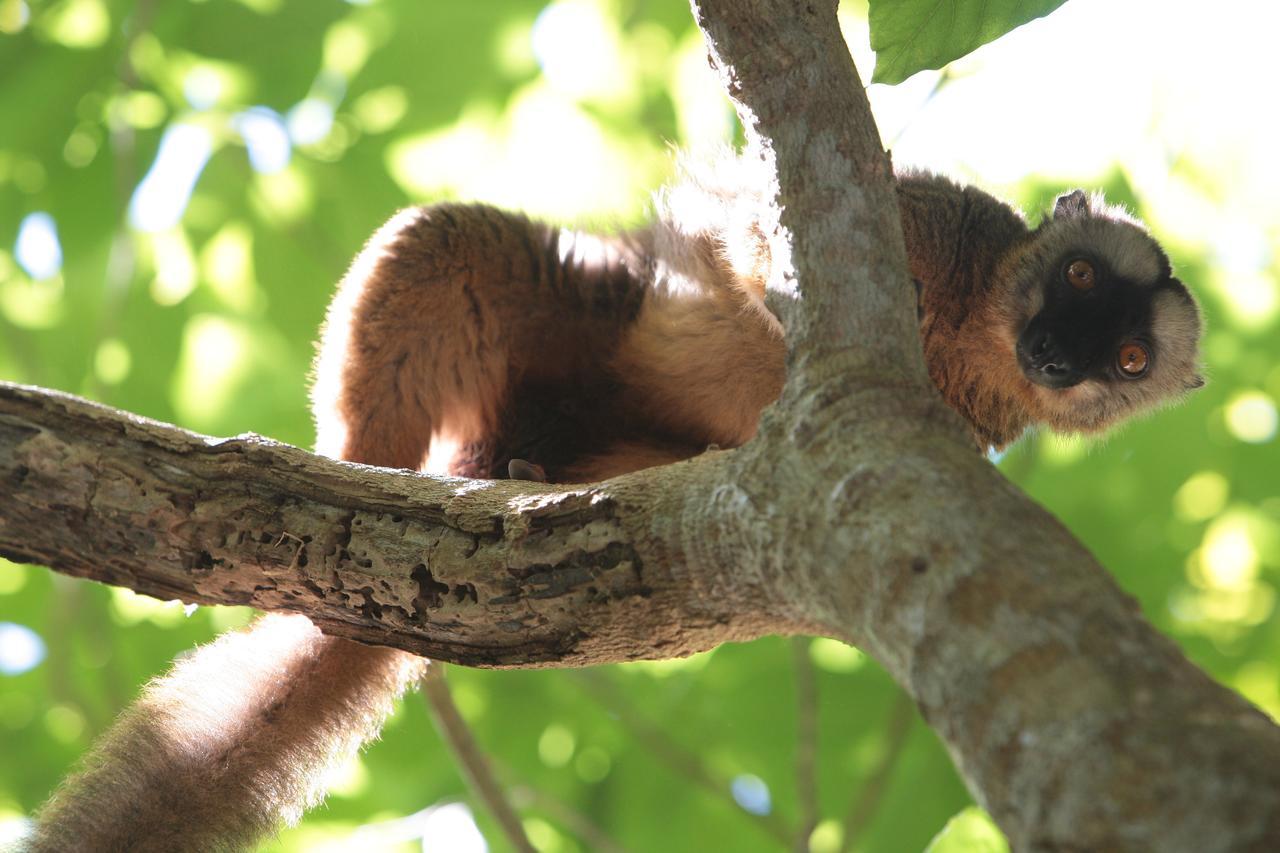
[494, 337]
[508, 338]
[463, 337]
[981, 271]
[237, 739]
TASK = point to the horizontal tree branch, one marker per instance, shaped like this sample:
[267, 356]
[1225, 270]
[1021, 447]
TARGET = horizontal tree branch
[484, 573]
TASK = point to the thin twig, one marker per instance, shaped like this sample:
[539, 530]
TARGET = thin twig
[867, 800]
[475, 768]
[63, 624]
[121, 262]
[595, 838]
[675, 756]
[806, 741]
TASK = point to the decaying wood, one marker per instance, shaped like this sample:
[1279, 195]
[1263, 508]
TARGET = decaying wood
[859, 512]
[484, 573]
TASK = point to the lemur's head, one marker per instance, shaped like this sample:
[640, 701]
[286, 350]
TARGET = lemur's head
[1099, 327]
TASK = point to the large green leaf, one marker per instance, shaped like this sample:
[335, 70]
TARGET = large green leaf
[912, 35]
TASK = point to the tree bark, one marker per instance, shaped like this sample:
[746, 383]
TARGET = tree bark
[483, 573]
[860, 512]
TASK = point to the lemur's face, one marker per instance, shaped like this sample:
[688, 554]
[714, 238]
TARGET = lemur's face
[1105, 329]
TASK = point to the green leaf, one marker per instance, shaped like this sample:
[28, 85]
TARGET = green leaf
[912, 35]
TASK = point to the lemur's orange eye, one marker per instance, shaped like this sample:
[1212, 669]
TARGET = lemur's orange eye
[1080, 275]
[1133, 360]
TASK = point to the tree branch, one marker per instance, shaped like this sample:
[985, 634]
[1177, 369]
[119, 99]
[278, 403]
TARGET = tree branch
[786, 66]
[480, 573]
[678, 758]
[862, 808]
[806, 742]
[859, 512]
[1046, 683]
[471, 760]
[595, 838]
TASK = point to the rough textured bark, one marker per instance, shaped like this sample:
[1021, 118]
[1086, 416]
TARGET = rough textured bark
[860, 512]
[485, 573]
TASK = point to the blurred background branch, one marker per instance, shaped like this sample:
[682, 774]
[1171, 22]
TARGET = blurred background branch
[472, 762]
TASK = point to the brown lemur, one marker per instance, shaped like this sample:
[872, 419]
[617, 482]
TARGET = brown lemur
[470, 341]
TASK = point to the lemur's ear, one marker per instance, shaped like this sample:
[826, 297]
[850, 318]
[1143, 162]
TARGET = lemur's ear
[1070, 205]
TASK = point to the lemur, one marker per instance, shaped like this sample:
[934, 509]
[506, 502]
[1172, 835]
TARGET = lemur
[474, 342]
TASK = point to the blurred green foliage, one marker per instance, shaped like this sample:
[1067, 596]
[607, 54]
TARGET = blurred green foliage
[317, 119]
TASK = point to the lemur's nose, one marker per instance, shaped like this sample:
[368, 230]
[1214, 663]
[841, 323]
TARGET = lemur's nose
[1046, 363]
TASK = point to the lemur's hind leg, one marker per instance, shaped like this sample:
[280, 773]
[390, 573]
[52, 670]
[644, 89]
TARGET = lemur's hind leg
[443, 314]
